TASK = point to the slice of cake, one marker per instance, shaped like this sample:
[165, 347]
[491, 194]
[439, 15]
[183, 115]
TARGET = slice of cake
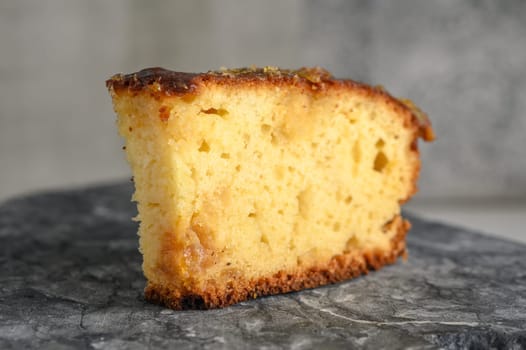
[252, 182]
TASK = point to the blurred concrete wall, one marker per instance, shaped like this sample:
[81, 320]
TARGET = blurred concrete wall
[464, 62]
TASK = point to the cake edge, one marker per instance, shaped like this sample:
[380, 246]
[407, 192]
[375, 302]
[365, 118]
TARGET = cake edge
[339, 268]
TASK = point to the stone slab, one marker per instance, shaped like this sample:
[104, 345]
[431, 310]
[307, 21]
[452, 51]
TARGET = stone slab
[70, 277]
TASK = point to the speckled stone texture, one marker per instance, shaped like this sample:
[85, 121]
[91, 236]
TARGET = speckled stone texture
[70, 277]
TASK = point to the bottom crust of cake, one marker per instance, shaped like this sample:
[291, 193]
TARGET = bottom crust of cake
[339, 268]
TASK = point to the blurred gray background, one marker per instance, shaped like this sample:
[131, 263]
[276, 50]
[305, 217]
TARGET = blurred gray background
[463, 62]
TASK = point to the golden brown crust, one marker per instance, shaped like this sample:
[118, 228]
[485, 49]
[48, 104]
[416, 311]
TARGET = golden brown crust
[162, 82]
[339, 268]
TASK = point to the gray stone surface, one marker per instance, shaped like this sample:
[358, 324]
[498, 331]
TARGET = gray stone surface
[70, 277]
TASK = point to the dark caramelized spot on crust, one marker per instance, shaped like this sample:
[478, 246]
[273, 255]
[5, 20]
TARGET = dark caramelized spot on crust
[159, 79]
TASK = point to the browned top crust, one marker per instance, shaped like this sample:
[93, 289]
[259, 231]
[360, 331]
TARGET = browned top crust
[169, 83]
[178, 83]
